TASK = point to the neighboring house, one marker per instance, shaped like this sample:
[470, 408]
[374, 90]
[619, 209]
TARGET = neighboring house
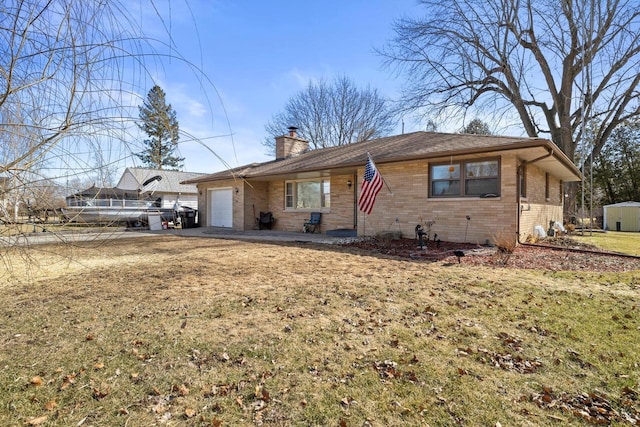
[506, 186]
[623, 216]
[169, 189]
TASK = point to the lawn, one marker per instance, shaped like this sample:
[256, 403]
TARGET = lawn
[208, 332]
[628, 243]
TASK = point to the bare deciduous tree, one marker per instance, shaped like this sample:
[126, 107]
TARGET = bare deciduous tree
[72, 74]
[61, 86]
[330, 114]
[556, 63]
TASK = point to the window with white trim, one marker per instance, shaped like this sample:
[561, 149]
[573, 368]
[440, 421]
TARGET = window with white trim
[468, 178]
[308, 194]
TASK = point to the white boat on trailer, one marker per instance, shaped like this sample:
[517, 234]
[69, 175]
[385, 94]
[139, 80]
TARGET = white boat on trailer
[109, 211]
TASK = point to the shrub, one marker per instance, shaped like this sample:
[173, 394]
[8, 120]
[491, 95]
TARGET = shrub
[506, 244]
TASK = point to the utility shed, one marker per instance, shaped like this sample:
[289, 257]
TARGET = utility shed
[623, 216]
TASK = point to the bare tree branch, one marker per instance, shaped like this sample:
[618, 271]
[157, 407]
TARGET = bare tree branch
[330, 114]
[554, 64]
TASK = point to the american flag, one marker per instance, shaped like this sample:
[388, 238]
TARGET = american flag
[371, 186]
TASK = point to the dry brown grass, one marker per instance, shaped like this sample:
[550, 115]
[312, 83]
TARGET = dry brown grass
[204, 332]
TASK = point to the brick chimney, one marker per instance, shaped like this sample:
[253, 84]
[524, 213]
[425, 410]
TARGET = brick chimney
[290, 145]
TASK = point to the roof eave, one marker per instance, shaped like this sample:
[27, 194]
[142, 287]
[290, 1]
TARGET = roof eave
[573, 175]
[570, 171]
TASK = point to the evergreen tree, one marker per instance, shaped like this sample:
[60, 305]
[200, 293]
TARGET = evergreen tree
[158, 121]
[616, 172]
[477, 127]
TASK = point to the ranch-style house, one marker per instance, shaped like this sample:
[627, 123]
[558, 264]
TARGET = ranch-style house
[466, 187]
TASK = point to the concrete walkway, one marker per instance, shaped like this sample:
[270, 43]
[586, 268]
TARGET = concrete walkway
[206, 232]
[267, 235]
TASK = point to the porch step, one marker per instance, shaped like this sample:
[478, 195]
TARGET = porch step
[342, 232]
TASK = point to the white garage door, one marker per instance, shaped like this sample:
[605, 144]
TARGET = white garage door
[221, 208]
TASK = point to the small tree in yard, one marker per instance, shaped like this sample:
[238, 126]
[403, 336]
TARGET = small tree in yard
[159, 122]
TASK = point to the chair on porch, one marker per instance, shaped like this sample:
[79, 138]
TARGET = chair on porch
[265, 220]
[313, 223]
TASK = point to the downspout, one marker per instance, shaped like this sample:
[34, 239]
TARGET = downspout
[518, 175]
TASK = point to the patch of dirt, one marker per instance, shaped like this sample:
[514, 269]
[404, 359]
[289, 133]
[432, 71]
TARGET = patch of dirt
[557, 254]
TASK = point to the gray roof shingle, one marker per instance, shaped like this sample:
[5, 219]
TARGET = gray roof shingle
[411, 146]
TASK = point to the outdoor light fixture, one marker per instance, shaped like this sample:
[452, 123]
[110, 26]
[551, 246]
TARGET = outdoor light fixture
[237, 191]
[349, 183]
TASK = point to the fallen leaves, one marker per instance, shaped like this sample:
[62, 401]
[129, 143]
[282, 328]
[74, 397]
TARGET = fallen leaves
[182, 390]
[524, 257]
[261, 393]
[50, 405]
[506, 361]
[36, 421]
[67, 381]
[101, 392]
[387, 370]
[388, 332]
[595, 408]
[36, 381]
[509, 362]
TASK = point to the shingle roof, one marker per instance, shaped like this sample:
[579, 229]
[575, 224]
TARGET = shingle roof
[411, 146]
[624, 204]
[171, 182]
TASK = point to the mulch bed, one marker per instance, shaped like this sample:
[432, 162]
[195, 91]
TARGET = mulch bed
[559, 254]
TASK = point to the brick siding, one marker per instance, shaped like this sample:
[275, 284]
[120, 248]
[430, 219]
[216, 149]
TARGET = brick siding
[404, 202]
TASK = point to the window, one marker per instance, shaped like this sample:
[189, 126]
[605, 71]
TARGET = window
[547, 189]
[473, 178]
[445, 180]
[522, 176]
[308, 194]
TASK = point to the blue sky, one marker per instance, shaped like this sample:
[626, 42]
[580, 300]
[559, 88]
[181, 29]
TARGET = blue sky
[257, 55]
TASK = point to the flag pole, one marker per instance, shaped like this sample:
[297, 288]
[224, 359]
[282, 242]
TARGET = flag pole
[364, 225]
[381, 177]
